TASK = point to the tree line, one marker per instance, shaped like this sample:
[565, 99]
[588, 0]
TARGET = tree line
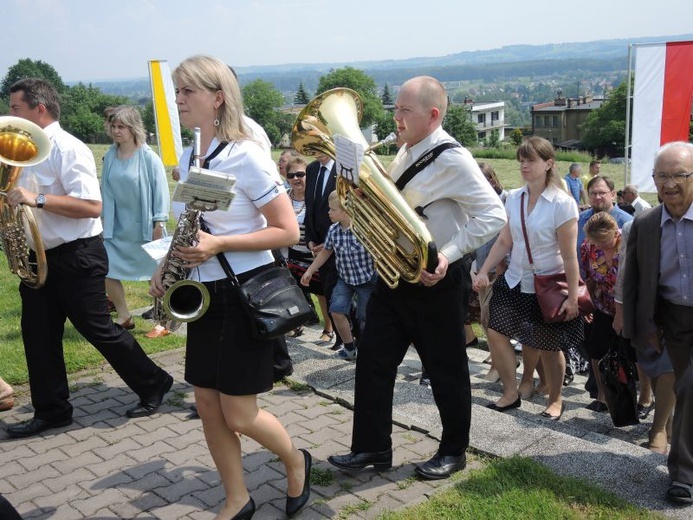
[83, 107]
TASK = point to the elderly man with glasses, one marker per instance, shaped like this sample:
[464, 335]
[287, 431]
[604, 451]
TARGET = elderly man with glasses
[658, 296]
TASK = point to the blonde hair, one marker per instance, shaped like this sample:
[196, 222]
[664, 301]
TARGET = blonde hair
[333, 197]
[212, 74]
[600, 227]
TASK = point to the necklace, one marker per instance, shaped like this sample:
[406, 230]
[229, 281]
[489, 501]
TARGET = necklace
[298, 205]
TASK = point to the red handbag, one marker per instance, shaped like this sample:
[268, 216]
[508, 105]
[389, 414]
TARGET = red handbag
[552, 289]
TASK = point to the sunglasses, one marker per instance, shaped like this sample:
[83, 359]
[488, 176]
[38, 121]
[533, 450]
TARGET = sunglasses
[300, 175]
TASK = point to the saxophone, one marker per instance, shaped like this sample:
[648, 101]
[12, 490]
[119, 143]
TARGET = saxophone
[184, 300]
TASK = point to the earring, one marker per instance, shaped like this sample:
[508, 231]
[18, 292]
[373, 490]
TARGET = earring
[216, 122]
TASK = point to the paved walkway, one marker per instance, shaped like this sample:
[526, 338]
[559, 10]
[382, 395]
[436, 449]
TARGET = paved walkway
[106, 466]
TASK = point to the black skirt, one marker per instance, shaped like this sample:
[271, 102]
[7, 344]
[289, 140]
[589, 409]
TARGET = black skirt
[220, 352]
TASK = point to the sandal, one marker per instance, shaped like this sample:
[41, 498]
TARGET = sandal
[680, 493]
[7, 400]
[298, 331]
[326, 336]
[157, 332]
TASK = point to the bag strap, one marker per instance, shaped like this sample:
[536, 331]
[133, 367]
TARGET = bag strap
[211, 156]
[422, 162]
[524, 231]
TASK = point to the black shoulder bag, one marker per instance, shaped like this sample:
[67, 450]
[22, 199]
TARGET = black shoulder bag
[272, 299]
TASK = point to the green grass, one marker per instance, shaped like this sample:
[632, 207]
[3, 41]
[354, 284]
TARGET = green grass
[521, 488]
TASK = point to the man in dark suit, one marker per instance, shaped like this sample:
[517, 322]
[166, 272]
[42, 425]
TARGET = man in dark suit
[658, 296]
[321, 180]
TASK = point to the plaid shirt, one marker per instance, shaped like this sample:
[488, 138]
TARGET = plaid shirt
[354, 264]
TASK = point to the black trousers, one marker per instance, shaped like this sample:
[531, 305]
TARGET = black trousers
[75, 290]
[433, 320]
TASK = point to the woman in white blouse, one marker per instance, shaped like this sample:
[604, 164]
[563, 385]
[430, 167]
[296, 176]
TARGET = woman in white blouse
[551, 222]
[225, 365]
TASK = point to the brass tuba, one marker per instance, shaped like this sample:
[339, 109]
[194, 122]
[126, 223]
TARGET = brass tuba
[381, 219]
[22, 144]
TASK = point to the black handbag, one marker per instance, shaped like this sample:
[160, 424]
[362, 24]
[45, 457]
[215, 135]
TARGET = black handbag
[618, 376]
[272, 299]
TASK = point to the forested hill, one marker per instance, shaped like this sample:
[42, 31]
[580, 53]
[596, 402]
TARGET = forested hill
[488, 65]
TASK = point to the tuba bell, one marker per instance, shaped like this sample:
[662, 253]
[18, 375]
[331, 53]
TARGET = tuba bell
[391, 231]
[22, 144]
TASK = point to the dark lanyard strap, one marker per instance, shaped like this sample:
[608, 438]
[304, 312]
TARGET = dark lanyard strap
[423, 161]
[211, 156]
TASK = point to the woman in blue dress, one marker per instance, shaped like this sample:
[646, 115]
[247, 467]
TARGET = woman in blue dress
[135, 204]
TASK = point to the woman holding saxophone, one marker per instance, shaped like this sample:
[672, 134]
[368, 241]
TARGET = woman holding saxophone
[226, 367]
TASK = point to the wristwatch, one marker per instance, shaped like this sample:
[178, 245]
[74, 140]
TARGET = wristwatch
[40, 200]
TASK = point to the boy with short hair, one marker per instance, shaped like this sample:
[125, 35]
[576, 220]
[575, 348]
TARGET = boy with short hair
[356, 274]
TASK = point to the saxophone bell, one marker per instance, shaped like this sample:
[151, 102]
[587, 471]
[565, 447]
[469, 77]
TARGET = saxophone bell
[186, 301]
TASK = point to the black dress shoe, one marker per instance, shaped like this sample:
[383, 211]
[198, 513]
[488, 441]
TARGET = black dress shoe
[35, 426]
[441, 466]
[353, 461]
[514, 404]
[152, 404]
[148, 314]
[294, 504]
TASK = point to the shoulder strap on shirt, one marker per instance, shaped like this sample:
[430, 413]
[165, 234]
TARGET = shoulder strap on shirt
[422, 162]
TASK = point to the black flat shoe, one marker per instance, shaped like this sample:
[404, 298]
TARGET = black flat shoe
[516, 404]
[34, 427]
[644, 410]
[441, 466]
[597, 406]
[152, 404]
[547, 415]
[247, 512]
[353, 461]
[295, 504]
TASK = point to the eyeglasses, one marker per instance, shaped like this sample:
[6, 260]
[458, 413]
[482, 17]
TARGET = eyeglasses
[600, 194]
[300, 175]
[678, 178]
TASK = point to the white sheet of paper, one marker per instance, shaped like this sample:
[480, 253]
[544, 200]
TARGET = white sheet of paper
[157, 249]
[349, 156]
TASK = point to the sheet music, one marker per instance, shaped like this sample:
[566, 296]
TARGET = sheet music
[349, 155]
[208, 186]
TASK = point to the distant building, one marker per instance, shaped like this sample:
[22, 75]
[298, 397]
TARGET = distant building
[487, 116]
[560, 121]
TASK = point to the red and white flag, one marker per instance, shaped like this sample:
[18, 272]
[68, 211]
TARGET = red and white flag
[662, 99]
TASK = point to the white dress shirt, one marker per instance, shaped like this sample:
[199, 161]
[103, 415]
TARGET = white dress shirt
[462, 211]
[69, 170]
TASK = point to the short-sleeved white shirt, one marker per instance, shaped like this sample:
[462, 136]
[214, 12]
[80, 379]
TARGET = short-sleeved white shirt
[256, 185]
[68, 170]
[553, 209]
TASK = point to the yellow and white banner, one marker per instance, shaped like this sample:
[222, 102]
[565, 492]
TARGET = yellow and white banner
[165, 112]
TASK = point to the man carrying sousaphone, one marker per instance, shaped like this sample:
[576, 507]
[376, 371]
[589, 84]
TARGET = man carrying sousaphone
[462, 212]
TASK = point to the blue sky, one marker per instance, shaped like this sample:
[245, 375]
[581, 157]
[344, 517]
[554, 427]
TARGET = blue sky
[88, 40]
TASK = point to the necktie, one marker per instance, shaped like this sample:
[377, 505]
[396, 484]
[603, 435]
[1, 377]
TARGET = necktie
[320, 183]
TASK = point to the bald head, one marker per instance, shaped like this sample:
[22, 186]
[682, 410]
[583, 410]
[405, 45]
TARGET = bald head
[430, 93]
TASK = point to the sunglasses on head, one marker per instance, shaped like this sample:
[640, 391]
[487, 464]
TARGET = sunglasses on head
[300, 175]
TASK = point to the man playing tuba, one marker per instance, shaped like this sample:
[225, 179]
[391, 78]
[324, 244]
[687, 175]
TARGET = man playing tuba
[462, 212]
[69, 207]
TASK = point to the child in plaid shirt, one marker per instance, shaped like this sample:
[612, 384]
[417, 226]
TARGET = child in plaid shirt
[355, 270]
